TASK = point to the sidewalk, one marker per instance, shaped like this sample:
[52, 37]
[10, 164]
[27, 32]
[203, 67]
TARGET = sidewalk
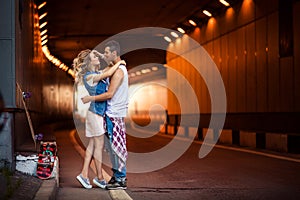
[65, 186]
[71, 155]
[18, 185]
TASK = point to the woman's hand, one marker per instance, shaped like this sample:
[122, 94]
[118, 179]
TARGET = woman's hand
[121, 62]
[86, 99]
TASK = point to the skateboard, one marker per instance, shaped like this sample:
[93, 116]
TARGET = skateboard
[27, 95]
[46, 160]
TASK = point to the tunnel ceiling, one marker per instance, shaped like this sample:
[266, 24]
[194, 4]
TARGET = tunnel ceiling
[77, 25]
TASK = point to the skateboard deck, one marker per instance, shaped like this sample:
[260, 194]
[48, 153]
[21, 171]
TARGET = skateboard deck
[27, 95]
[46, 160]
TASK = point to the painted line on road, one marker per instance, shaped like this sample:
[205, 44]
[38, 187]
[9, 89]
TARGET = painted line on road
[114, 194]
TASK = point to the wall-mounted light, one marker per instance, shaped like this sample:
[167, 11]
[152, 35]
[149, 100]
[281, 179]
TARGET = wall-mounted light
[42, 5]
[207, 13]
[43, 25]
[154, 68]
[145, 71]
[44, 32]
[181, 30]
[192, 22]
[174, 34]
[44, 42]
[167, 39]
[43, 15]
[138, 73]
[132, 75]
[44, 37]
[225, 3]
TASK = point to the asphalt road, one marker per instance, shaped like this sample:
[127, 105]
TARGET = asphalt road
[223, 174]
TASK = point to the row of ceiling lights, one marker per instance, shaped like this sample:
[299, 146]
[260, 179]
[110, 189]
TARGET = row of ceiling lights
[44, 39]
[175, 35]
[59, 64]
[143, 71]
[192, 22]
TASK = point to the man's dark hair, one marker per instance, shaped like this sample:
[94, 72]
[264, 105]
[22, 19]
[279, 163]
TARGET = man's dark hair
[113, 46]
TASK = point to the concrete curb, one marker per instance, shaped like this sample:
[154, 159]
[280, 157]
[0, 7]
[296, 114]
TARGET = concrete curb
[49, 187]
[47, 190]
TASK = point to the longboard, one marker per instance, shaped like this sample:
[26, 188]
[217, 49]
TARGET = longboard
[46, 160]
[25, 96]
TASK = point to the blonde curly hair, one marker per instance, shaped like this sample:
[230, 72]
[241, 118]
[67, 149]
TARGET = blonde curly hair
[81, 64]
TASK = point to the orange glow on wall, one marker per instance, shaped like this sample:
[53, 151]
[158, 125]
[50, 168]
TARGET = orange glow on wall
[178, 41]
[247, 3]
[229, 15]
[211, 26]
[196, 34]
[211, 22]
[247, 11]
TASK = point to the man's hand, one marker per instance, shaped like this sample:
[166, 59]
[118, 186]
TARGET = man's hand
[96, 53]
[86, 99]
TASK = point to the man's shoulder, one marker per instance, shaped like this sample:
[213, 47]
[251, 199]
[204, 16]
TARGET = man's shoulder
[122, 68]
[119, 73]
[122, 65]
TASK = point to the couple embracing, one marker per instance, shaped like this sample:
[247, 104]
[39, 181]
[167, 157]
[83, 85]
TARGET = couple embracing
[108, 97]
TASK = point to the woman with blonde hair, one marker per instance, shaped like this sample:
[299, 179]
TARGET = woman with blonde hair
[87, 70]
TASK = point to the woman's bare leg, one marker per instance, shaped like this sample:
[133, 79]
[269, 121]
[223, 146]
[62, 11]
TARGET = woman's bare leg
[99, 142]
[88, 157]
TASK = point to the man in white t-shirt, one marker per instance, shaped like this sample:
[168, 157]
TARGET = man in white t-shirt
[117, 105]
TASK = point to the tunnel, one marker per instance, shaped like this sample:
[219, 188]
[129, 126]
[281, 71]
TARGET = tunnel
[227, 78]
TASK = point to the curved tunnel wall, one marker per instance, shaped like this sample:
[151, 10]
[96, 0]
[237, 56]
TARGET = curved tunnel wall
[23, 62]
[244, 44]
[260, 76]
[51, 88]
